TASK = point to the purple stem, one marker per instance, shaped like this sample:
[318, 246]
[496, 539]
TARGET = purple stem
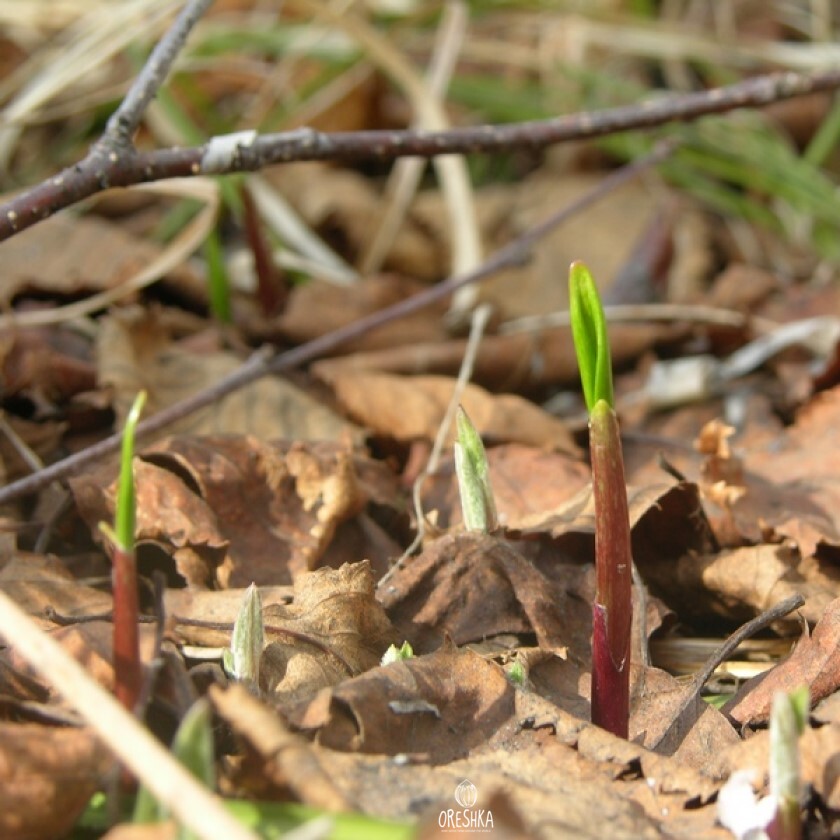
[612, 612]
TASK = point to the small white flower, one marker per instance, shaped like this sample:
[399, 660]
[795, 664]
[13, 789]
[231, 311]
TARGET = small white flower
[740, 810]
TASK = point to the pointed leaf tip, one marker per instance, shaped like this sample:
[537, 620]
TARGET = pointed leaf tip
[589, 332]
[473, 472]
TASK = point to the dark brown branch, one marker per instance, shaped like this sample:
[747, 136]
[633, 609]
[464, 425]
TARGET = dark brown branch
[124, 121]
[247, 151]
[263, 362]
[682, 719]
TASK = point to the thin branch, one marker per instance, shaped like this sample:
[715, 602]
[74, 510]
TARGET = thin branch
[125, 120]
[247, 151]
[264, 362]
[680, 722]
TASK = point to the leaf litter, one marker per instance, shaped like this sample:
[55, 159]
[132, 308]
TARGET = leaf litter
[303, 485]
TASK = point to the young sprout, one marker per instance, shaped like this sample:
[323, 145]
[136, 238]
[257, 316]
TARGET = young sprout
[193, 747]
[788, 719]
[128, 672]
[397, 654]
[777, 815]
[516, 673]
[477, 503]
[242, 661]
[612, 612]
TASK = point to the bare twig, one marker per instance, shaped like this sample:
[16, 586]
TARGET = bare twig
[780, 610]
[264, 362]
[247, 151]
[115, 148]
[125, 120]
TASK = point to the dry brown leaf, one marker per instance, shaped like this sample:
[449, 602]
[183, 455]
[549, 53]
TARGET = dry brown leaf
[526, 481]
[515, 363]
[791, 482]
[564, 777]
[406, 408]
[333, 629]
[170, 518]
[738, 584]
[286, 760]
[138, 350]
[438, 707]
[69, 254]
[239, 510]
[45, 365]
[342, 206]
[317, 308]
[700, 730]
[37, 582]
[47, 776]
[469, 587]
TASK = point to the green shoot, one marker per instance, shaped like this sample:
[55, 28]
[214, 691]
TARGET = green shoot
[777, 815]
[397, 654]
[193, 747]
[242, 661]
[589, 330]
[788, 719]
[126, 516]
[128, 672]
[217, 278]
[516, 673]
[612, 612]
[477, 503]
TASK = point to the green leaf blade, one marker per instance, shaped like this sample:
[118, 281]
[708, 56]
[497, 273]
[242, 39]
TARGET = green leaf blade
[126, 509]
[589, 332]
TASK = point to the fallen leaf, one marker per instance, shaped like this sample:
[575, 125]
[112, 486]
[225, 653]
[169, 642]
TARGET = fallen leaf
[317, 308]
[405, 408]
[469, 587]
[138, 350]
[513, 363]
[333, 629]
[237, 510]
[439, 706]
[68, 254]
[47, 776]
[285, 760]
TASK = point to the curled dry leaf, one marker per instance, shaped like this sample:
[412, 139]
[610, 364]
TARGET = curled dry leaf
[438, 706]
[236, 510]
[791, 489]
[469, 587]
[333, 629]
[740, 583]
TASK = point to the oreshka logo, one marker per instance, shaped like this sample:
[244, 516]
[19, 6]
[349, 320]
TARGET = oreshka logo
[466, 816]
